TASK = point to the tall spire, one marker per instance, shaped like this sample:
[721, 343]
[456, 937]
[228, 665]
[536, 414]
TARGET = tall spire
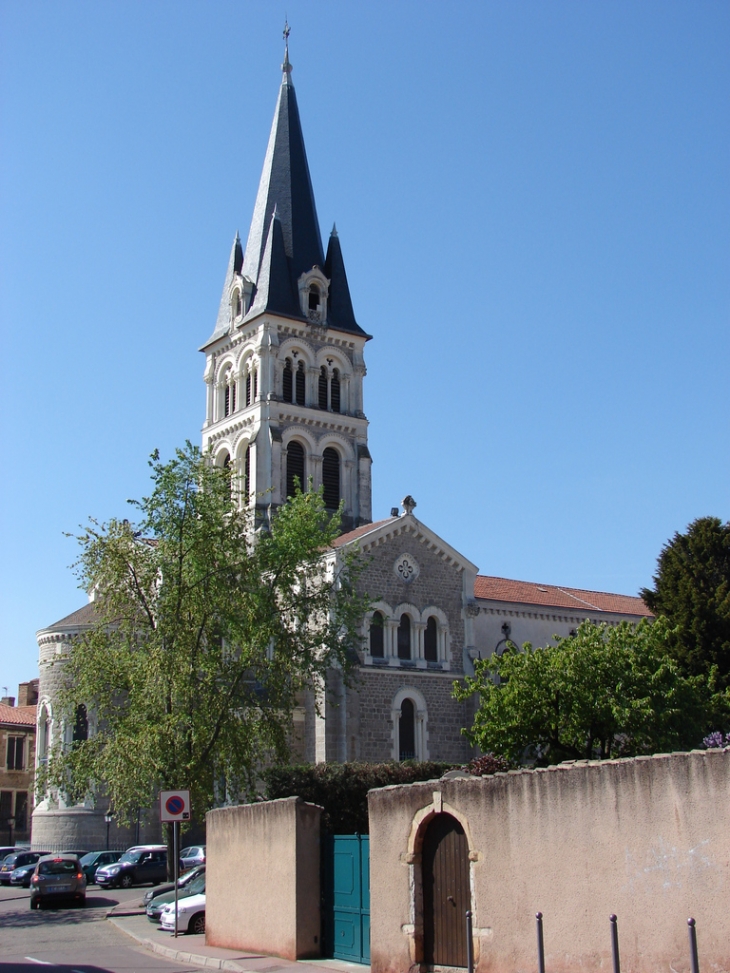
[287, 187]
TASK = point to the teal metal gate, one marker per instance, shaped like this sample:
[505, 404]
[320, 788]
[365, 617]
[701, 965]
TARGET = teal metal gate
[346, 895]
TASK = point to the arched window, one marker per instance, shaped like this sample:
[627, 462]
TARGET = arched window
[247, 473]
[81, 725]
[430, 640]
[404, 637]
[331, 478]
[323, 387]
[229, 400]
[287, 383]
[255, 384]
[294, 468]
[313, 297]
[300, 384]
[44, 734]
[407, 730]
[377, 633]
[248, 388]
[335, 391]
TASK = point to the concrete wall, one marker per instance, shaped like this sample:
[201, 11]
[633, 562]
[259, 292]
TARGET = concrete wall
[262, 878]
[647, 839]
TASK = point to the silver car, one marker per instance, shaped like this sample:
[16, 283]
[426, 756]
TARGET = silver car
[57, 878]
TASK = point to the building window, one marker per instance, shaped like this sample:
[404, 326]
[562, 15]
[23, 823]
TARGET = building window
[331, 478]
[81, 725]
[430, 640]
[335, 391]
[294, 468]
[377, 635]
[229, 398]
[21, 810]
[300, 384]
[314, 297]
[407, 730]
[287, 389]
[16, 753]
[404, 637]
[247, 472]
[248, 388]
[323, 387]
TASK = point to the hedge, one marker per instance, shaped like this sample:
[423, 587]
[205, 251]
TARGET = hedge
[342, 789]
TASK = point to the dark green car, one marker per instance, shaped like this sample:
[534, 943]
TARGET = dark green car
[96, 859]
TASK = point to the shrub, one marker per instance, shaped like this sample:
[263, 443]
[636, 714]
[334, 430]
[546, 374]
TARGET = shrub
[342, 789]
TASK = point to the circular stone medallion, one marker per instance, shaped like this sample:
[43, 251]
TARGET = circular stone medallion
[406, 568]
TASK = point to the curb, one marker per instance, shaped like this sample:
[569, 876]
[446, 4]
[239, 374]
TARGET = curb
[180, 956]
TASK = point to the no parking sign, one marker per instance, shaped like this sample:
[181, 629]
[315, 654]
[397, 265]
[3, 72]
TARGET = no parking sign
[174, 806]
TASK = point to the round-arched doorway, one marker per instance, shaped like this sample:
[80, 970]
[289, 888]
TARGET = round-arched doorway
[446, 892]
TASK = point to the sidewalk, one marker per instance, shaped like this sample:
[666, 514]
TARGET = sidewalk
[192, 949]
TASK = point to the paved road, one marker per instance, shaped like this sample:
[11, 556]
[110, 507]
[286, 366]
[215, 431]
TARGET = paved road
[73, 939]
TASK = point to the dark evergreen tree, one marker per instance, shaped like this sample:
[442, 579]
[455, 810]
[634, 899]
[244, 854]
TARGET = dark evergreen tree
[692, 590]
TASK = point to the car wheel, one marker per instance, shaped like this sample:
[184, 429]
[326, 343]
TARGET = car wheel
[34, 903]
[197, 923]
[126, 881]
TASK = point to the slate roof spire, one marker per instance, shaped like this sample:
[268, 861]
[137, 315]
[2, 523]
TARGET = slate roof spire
[284, 238]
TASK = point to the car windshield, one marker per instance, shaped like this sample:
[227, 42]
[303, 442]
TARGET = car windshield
[90, 858]
[62, 866]
[11, 859]
[131, 856]
[197, 886]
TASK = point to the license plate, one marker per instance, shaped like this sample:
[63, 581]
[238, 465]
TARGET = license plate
[61, 888]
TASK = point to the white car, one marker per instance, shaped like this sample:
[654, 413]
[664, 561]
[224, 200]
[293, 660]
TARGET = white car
[190, 915]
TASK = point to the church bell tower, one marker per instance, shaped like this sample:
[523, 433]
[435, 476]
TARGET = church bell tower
[284, 366]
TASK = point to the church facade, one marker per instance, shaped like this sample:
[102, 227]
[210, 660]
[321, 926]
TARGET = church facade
[284, 377]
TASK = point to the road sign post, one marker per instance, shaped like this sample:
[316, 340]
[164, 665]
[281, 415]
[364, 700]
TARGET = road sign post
[174, 808]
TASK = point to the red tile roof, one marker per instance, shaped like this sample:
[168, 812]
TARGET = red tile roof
[358, 532]
[18, 715]
[528, 593]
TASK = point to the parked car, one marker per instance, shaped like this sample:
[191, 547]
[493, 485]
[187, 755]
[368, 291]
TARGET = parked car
[21, 876]
[190, 915]
[16, 860]
[4, 852]
[182, 882]
[97, 859]
[57, 877]
[155, 907]
[145, 863]
[192, 856]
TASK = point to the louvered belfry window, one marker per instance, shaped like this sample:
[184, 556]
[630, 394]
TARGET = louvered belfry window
[407, 730]
[335, 391]
[323, 387]
[248, 388]
[294, 467]
[430, 641]
[377, 633]
[300, 384]
[227, 401]
[331, 478]
[247, 472]
[255, 384]
[404, 637]
[287, 384]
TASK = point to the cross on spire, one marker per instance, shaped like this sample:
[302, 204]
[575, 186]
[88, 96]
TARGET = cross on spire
[286, 66]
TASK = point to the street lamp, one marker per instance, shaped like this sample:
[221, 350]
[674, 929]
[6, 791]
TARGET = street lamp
[11, 825]
[108, 818]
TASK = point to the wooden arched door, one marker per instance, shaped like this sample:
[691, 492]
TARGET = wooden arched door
[446, 893]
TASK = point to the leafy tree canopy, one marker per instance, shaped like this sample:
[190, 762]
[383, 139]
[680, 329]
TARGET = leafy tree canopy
[604, 692]
[692, 589]
[207, 632]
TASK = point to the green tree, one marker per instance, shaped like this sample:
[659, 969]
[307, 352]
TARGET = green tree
[692, 589]
[604, 692]
[207, 631]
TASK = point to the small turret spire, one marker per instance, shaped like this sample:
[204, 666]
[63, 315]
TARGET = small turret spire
[286, 66]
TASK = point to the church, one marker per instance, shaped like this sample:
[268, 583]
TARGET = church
[284, 373]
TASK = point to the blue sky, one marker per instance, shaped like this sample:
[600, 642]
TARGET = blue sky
[532, 200]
